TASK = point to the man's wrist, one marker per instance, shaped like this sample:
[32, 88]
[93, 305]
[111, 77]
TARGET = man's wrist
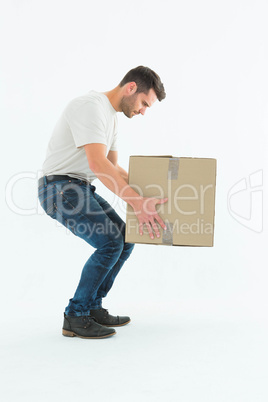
[134, 201]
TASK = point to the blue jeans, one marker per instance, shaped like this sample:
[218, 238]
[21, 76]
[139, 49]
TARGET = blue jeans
[86, 214]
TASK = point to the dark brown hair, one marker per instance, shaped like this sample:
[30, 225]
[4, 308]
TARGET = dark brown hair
[145, 79]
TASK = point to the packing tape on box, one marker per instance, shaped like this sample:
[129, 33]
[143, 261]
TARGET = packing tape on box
[173, 168]
[168, 234]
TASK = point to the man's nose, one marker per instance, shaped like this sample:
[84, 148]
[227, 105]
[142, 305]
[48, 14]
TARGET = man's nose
[142, 110]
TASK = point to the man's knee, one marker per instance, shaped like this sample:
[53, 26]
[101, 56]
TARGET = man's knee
[113, 246]
[129, 246]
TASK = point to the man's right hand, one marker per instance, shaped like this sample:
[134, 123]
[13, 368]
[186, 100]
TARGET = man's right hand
[146, 213]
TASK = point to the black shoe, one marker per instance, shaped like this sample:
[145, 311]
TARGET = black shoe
[85, 327]
[104, 318]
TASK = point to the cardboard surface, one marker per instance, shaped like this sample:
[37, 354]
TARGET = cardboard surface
[189, 184]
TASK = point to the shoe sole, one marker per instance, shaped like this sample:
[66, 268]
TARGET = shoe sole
[71, 334]
[115, 325]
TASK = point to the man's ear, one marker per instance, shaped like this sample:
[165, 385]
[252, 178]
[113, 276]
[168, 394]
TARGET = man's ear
[131, 88]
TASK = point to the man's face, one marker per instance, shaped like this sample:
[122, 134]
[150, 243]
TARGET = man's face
[137, 103]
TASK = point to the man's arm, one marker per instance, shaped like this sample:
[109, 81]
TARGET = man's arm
[113, 157]
[106, 172]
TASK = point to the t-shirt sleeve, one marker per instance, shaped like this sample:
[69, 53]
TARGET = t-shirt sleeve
[88, 124]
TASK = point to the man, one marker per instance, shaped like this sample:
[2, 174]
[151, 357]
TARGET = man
[83, 146]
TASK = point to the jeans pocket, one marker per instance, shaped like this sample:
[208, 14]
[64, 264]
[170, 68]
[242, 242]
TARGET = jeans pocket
[70, 198]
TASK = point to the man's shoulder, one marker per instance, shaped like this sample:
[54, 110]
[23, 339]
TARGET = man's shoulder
[92, 96]
[91, 101]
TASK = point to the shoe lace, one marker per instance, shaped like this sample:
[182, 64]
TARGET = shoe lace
[87, 320]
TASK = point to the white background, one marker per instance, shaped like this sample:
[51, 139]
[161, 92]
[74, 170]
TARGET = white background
[199, 315]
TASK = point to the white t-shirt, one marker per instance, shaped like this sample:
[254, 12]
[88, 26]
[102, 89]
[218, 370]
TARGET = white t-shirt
[86, 119]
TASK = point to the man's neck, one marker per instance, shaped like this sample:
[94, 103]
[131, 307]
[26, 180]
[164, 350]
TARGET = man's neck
[115, 96]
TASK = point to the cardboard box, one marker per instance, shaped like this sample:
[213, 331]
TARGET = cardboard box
[189, 184]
